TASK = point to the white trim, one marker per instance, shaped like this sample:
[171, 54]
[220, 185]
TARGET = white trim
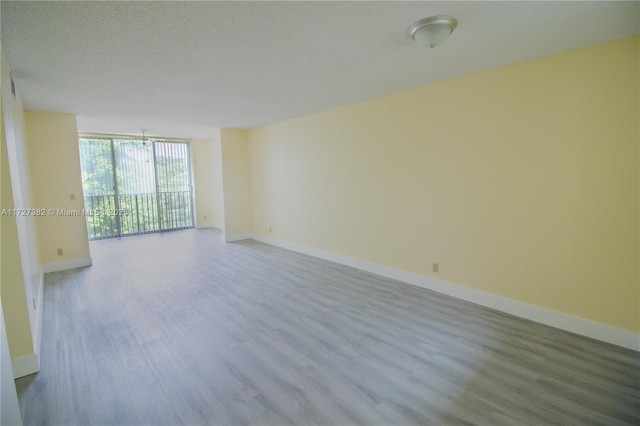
[25, 365]
[584, 327]
[67, 264]
[228, 238]
[206, 224]
[37, 339]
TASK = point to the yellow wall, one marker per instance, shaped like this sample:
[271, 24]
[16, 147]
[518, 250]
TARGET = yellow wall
[235, 181]
[12, 282]
[207, 176]
[520, 181]
[21, 185]
[218, 190]
[55, 161]
[21, 275]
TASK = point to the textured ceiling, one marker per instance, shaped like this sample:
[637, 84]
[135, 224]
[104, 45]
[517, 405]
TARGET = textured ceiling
[185, 68]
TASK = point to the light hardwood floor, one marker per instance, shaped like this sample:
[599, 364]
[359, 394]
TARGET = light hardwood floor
[181, 328]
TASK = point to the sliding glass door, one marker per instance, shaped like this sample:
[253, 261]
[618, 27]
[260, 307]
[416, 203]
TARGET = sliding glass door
[99, 187]
[174, 189]
[133, 187]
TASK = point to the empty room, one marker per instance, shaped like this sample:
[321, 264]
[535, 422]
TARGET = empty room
[320, 213]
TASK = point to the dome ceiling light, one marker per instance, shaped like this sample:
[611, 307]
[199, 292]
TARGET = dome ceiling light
[432, 31]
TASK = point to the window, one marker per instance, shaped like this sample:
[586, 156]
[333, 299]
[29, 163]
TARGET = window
[134, 187]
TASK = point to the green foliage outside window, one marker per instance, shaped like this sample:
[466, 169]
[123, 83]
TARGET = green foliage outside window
[133, 188]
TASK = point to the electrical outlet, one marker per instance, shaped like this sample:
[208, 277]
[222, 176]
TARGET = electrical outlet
[204, 218]
[435, 267]
[72, 196]
[269, 229]
[60, 252]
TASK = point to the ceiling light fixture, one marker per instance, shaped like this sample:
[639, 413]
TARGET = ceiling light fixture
[432, 31]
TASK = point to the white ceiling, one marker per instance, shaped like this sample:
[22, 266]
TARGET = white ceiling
[185, 68]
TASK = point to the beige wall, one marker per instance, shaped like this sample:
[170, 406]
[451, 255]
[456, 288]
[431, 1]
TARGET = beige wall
[207, 176]
[235, 181]
[12, 282]
[55, 161]
[218, 190]
[520, 181]
[21, 275]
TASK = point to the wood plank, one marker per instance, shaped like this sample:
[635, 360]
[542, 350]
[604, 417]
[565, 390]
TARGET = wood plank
[180, 328]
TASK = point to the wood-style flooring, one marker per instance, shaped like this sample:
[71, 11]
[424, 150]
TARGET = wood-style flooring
[181, 328]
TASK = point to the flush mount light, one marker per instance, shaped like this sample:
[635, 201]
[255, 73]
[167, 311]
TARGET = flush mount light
[432, 31]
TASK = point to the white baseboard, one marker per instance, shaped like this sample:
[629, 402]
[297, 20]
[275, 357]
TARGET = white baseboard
[584, 327]
[67, 264]
[25, 365]
[37, 339]
[236, 237]
[201, 225]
